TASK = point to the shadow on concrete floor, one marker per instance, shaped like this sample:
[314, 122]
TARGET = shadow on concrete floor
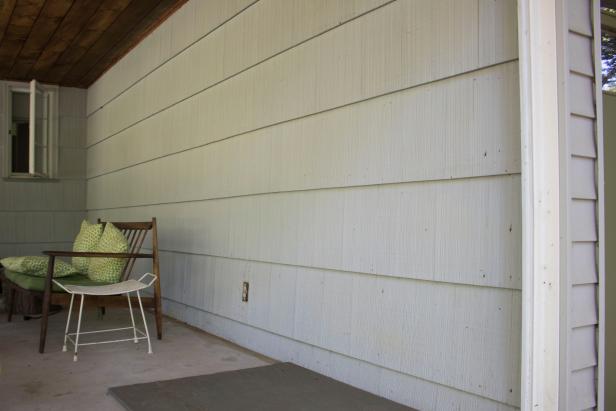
[52, 381]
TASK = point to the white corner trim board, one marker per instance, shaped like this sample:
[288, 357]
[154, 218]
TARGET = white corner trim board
[540, 204]
[596, 17]
[562, 205]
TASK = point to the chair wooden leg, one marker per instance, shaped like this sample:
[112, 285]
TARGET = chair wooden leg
[46, 304]
[159, 318]
[44, 317]
[10, 302]
[158, 310]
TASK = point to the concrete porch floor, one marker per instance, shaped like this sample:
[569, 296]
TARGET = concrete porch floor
[52, 381]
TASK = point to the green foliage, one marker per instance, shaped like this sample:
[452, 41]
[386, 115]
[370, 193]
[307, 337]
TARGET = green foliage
[608, 53]
[608, 56]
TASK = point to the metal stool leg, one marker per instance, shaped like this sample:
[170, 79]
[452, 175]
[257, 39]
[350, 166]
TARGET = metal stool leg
[68, 321]
[78, 327]
[132, 318]
[145, 324]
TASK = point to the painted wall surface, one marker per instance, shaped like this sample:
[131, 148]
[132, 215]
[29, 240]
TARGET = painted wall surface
[579, 318]
[609, 134]
[43, 215]
[357, 162]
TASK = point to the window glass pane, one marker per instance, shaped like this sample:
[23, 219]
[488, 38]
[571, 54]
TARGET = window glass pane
[20, 107]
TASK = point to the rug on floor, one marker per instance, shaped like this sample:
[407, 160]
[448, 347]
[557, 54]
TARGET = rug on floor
[278, 387]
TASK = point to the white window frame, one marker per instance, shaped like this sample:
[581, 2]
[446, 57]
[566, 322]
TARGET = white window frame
[52, 130]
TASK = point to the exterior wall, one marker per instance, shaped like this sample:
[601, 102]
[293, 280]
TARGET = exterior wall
[579, 193]
[357, 162]
[609, 133]
[37, 216]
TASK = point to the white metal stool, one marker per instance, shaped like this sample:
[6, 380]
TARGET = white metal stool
[125, 287]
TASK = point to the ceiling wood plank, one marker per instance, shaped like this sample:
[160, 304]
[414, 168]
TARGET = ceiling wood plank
[125, 22]
[72, 24]
[44, 27]
[20, 24]
[6, 10]
[159, 14]
[72, 42]
[96, 26]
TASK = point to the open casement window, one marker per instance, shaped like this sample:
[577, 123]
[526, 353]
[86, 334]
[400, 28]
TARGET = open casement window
[32, 120]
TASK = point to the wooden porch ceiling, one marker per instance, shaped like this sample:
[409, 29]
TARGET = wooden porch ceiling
[73, 42]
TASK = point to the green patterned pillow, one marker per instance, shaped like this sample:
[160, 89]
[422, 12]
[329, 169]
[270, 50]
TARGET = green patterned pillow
[86, 241]
[109, 269]
[37, 266]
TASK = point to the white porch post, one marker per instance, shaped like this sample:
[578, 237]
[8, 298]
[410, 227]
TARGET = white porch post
[538, 45]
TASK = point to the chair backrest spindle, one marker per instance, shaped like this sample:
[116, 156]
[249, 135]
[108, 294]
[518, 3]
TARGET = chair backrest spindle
[137, 239]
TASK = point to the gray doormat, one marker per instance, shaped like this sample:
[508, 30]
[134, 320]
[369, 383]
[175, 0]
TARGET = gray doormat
[282, 386]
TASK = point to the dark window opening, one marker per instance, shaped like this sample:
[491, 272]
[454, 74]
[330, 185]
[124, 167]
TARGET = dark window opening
[20, 132]
[20, 148]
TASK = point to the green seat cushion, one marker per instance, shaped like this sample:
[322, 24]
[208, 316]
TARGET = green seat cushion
[35, 265]
[109, 269]
[86, 241]
[32, 283]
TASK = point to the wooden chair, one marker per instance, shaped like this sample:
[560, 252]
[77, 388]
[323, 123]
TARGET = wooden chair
[135, 233]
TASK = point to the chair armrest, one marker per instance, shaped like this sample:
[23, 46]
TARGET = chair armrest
[93, 254]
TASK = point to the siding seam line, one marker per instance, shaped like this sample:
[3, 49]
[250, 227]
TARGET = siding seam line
[131, 85]
[593, 326]
[584, 156]
[332, 351]
[302, 190]
[255, 65]
[293, 119]
[593, 365]
[578, 197]
[337, 270]
[594, 282]
[235, 74]
[593, 323]
[580, 33]
[582, 115]
[581, 74]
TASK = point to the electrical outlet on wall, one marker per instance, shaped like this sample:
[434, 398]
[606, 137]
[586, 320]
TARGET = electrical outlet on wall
[245, 291]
